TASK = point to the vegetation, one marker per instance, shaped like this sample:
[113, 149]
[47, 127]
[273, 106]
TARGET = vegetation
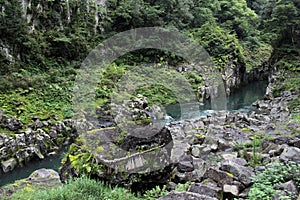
[44, 50]
[42, 46]
[80, 188]
[278, 173]
[86, 188]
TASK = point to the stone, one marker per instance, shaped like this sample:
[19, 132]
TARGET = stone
[295, 142]
[12, 124]
[42, 174]
[206, 189]
[240, 161]
[4, 152]
[200, 166]
[9, 165]
[214, 147]
[38, 153]
[233, 189]
[194, 176]
[196, 151]
[53, 134]
[289, 186]
[185, 196]
[290, 154]
[23, 154]
[45, 179]
[205, 149]
[218, 176]
[229, 156]
[185, 164]
[259, 168]
[243, 173]
[273, 149]
[171, 186]
[244, 193]
[223, 145]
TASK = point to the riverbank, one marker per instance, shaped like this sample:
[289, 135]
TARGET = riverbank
[20, 144]
[219, 156]
[63, 133]
[224, 150]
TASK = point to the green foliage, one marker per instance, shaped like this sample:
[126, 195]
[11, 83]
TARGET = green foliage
[255, 158]
[155, 193]
[235, 15]
[256, 53]
[220, 44]
[110, 76]
[83, 161]
[276, 174]
[80, 188]
[86, 188]
[183, 187]
[27, 103]
[157, 94]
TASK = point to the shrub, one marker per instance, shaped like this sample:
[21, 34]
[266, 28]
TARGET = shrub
[277, 174]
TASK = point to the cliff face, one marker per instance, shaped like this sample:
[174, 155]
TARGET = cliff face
[36, 25]
[59, 14]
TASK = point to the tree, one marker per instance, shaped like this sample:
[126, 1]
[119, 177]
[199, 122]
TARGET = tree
[285, 22]
[236, 16]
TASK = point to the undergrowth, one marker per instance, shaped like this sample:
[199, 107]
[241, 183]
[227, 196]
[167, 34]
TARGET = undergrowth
[276, 174]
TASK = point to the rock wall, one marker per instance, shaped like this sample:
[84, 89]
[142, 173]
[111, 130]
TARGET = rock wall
[19, 144]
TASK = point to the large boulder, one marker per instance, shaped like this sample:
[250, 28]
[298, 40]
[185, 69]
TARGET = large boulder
[43, 175]
[287, 189]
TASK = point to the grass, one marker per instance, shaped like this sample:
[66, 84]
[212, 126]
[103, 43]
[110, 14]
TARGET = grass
[86, 188]
[80, 188]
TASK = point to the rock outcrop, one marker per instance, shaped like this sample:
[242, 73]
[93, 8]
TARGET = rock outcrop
[20, 144]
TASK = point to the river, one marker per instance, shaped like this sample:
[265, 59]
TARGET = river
[240, 101]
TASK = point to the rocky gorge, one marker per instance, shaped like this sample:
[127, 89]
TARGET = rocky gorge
[44, 137]
[147, 140]
[220, 154]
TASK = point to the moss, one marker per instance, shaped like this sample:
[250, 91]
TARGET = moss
[246, 130]
[60, 140]
[199, 136]
[7, 132]
[230, 175]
